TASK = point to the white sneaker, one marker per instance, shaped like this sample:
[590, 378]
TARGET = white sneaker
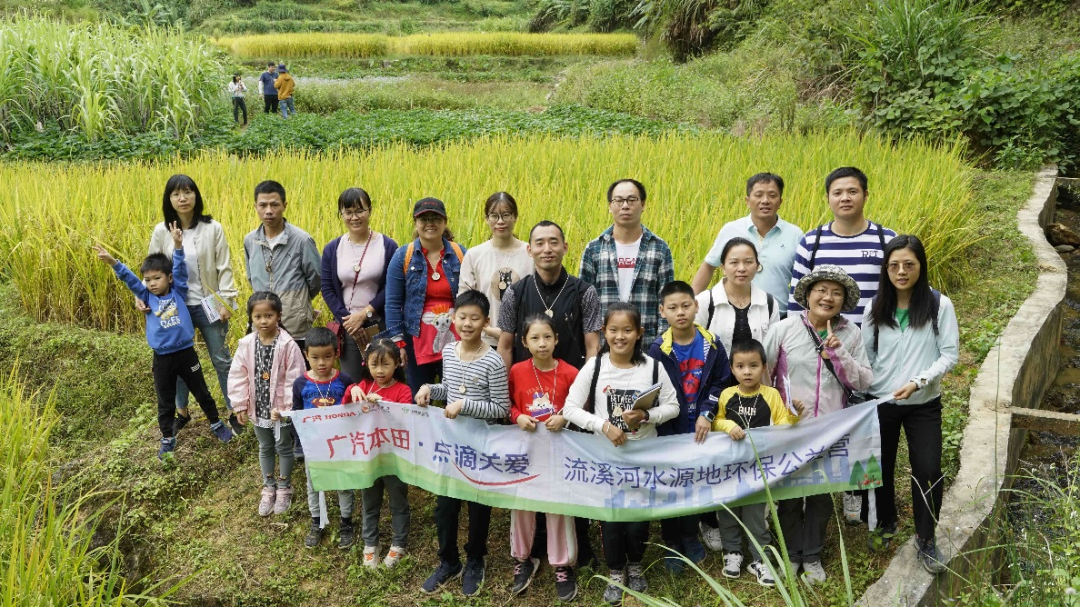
[371, 557]
[813, 573]
[761, 572]
[852, 508]
[732, 565]
[711, 537]
[394, 556]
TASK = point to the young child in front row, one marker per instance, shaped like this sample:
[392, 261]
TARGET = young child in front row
[538, 389]
[323, 386]
[383, 380]
[264, 369]
[743, 407]
[624, 372]
[171, 335]
[697, 365]
[474, 384]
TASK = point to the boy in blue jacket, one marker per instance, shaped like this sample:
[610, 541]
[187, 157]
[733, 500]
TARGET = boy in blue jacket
[171, 336]
[698, 367]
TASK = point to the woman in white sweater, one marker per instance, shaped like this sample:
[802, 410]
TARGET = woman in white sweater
[210, 280]
[912, 340]
[735, 309]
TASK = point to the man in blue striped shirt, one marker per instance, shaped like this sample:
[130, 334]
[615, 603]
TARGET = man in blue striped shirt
[850, 241]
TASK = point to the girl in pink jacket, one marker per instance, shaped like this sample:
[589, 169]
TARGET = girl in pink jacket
[266, 363]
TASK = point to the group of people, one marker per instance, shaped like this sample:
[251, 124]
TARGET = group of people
[502, 332]
[276, 86]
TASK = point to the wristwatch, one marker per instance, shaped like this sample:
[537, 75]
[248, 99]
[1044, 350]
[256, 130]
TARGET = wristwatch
[646, 412]
[370, 313]
[709, 416]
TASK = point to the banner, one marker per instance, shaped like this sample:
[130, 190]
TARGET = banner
[583, 474]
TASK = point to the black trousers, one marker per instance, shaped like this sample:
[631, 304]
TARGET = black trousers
[269, 104]
[803, 521]
[239, 104]
[922, 426]
[186, 366]
[675, 530]
[624, 543]
[447, 512]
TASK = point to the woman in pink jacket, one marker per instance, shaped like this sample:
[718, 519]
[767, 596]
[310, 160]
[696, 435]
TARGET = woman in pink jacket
[266, 363]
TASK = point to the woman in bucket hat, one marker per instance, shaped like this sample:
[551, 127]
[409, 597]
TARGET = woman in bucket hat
[818, 355]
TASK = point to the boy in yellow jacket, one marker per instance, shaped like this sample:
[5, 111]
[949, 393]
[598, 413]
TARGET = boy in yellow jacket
[285, 85]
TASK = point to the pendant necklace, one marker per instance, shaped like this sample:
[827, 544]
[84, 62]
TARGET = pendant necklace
[356, 268]
[266, 372]
[548, 310]
[435, 272]
[465, 367]
[554, 379]
[506, 272]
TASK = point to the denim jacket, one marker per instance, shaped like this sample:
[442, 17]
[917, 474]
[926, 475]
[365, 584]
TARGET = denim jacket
[406, 291]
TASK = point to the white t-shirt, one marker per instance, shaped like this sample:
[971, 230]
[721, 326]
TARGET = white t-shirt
[492, 272]
[195, 292]
[615, 391]
[627, 255]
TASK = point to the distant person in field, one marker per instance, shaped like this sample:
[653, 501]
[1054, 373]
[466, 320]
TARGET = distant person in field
[774, 238]
[628, 263]
[171, 335]
[285, 85]
[266, 87]
[237, 88]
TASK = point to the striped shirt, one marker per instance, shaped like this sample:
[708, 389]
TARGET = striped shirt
[859, 255]
[486, 389]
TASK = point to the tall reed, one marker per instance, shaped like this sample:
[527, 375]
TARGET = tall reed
[695, 184]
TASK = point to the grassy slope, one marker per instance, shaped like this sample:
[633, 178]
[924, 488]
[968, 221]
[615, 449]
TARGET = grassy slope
[201, 513]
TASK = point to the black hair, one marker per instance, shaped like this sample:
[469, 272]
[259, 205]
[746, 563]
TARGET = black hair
[923, 307]
[637, 357]
[182, 182]
[542, 319]
[765, 178]
[353, 198]
[747, 346]
[843, 172]
[544, 223]
[735, 242]
[157, 262]
[235, 77]
[378, 348]
[472, 297]
[271, 64]
[319, 337]
[675, 287]
[637, 184]
[270, 187]
[501, 198]
[259, 297]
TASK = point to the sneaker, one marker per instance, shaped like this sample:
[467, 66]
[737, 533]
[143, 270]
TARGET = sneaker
[314, 536]
[235, 424]
[371, 557]
[222, 432]
[711, 537]
[444, 573]
[179, 422]
[635, 577]
[813, 572]
[266, 503]
[565, 583]
[761, 572]
[879, 538]
[613, 594]
[394, 556]
[348, 536]
[168, 445]
[283, 501]
[473, 579]
[852, 508]
[694, 550]
[732, 565]
[523, 574]
[931, 560]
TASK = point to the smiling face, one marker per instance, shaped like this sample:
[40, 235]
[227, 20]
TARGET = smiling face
[626, 205]
[679, 309]
[904, 269]
[847, 198]
[622, 334]
[764, 201]
[356, 218]
[430, 226]
[741, 264]
[157, 282]
[540, 340]
[271, 209]
[469, 321]
[501, 220]
[322, 360]
[747, 368]
[825, 299]
[547, 248]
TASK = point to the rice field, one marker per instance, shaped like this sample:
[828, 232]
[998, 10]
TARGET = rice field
[448, 44]
[53, 214]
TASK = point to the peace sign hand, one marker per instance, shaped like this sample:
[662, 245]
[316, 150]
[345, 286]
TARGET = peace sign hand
[177, 235]
[831, 340]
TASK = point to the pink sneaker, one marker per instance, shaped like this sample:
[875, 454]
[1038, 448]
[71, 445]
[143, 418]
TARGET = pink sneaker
[284, 500]
[266, 504]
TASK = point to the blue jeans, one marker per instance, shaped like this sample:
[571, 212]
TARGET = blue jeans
[214, 335]
[286, 106]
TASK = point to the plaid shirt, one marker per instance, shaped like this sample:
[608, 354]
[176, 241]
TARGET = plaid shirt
[655, 268]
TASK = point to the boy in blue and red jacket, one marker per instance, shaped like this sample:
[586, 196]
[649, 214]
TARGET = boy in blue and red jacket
[698, 367]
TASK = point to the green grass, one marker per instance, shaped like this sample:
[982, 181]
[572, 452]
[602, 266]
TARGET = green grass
[326, 97]
[460, 69]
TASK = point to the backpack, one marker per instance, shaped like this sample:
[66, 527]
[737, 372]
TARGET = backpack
[817, 243]
[712, 307]
[412, 248]
[590, 404]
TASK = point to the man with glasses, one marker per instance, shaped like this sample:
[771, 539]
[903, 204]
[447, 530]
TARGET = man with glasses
[627, 262]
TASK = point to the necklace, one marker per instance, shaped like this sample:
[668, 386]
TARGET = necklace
[356, 268]
[731, 298]
[265, 374]
[323, 397]
[548, 310]
[435, 273]
[554, 379]
[505, 271]
[465, 366]
[743, 407]
[268, 261]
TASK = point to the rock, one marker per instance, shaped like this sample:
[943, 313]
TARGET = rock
[1058, 234]
[1064, 248]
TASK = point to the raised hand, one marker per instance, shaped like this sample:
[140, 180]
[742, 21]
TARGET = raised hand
[177, 235]
[103, 255]
[831, 340]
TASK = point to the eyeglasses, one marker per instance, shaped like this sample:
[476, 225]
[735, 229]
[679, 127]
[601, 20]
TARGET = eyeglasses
[497, 217]
[628, 201]
[823, 292]
[430, 219]
[908, 266]
[354, 213]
